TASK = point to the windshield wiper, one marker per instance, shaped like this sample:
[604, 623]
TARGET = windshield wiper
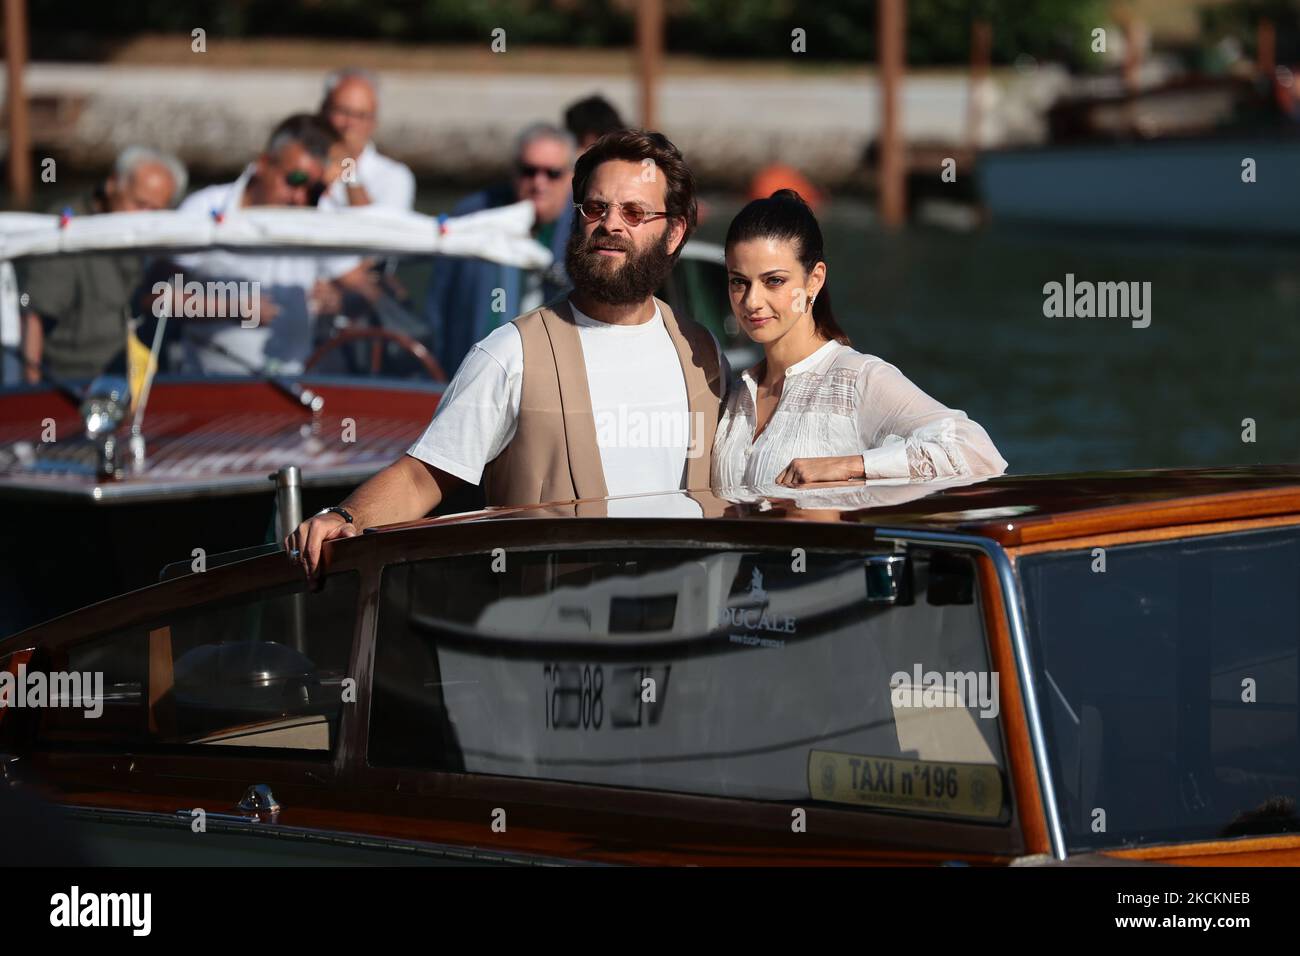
[301, 396]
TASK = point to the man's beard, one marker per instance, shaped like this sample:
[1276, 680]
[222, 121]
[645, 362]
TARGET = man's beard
[608, 281]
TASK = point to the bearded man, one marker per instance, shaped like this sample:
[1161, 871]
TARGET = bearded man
[600, 392]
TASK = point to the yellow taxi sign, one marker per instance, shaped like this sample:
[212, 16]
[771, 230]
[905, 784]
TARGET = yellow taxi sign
[924, 786]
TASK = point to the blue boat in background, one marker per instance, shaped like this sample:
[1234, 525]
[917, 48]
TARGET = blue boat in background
[1205, 156]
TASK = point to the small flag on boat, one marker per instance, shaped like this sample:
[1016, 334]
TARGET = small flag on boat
[140, 363]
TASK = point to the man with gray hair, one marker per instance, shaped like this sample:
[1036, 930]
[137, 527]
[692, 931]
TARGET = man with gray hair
[75, 308]
[367, 177]
[464, 304]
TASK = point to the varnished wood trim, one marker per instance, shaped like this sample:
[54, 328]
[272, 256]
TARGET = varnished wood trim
[594, 834]
[1015, 724]
[1153, 534]
[1185, 852]
[12, 661]
[1132, 517]
[162, 710]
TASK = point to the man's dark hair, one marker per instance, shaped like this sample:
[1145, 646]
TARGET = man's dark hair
[637, 146]
[594, 116]
[313, 133]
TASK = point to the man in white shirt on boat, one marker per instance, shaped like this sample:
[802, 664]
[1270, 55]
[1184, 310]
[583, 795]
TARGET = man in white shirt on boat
[292, 171]
[368, 177]
[362, 176]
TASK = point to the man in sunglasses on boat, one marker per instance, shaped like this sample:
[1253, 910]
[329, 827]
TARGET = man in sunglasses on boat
[601, 392]
[293, 170]
[464, 304]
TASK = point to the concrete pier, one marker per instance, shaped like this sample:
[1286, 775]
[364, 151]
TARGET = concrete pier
[459, 124]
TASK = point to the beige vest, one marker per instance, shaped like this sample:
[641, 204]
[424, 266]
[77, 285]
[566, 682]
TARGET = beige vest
[554, 455]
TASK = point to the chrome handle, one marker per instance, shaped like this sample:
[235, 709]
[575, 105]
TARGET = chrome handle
[259, 799]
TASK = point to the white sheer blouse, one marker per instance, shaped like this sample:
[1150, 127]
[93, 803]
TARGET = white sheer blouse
[841, 402]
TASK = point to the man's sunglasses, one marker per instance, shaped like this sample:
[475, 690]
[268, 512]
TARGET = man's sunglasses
[594, 210]
[297, 179]
[528, 171]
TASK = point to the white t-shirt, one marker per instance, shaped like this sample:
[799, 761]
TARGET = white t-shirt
[390, 184]
[284, 342]
[638, 398]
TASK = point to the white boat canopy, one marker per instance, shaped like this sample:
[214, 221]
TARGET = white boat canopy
[498, 235]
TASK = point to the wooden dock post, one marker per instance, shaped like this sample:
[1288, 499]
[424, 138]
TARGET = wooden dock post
[1266, 47]
[650, 46]
[892, 35]
[20, 145]
[981, 55]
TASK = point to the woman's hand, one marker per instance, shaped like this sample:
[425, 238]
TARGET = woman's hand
[803, 471]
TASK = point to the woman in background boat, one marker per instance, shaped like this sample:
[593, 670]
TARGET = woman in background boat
[815, 409]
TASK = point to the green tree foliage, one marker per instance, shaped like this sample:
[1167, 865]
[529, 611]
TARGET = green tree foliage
[836, 30]
[1241, 19]
[1047, 30]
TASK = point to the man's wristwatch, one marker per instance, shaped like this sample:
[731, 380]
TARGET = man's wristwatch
[338, 510]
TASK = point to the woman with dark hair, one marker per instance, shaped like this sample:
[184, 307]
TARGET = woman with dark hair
[815, 409]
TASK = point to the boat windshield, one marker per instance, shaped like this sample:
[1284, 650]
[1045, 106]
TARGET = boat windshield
[747, 673]
[261, 671]
[1166, 673]
[283, 313]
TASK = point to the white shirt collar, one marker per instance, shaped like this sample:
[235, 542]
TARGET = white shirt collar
[583, 320]
[803, 365]
[233, 201]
